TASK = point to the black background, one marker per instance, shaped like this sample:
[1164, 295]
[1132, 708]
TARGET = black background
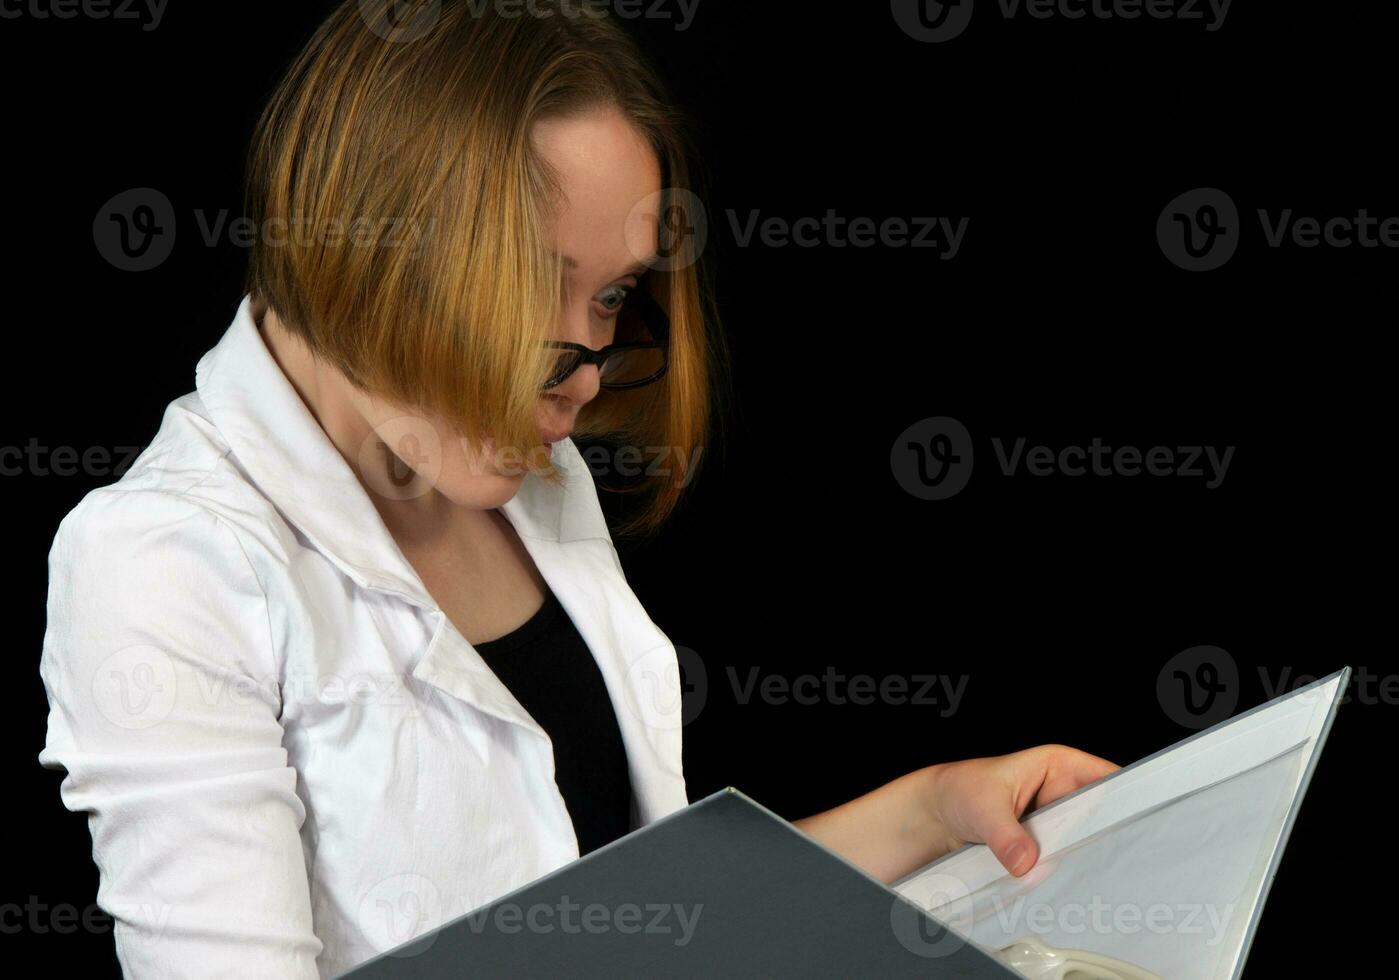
[1058, 599]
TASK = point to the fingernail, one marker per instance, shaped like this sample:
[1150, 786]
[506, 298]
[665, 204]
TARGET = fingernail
[1014, 856]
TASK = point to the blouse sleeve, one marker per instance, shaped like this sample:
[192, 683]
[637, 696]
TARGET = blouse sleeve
[164, 710]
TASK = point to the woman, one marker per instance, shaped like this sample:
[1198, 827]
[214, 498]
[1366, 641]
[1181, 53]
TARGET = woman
[348, 652]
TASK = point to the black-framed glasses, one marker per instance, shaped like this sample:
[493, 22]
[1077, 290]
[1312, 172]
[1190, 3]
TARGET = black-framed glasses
[630, 363]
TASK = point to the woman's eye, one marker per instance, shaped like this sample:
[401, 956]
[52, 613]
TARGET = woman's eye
[612, 300]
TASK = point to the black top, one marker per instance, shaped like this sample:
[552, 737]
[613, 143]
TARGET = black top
[547, 666]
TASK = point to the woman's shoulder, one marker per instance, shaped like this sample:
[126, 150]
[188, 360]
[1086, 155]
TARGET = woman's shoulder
[180, 555]
[186, 482]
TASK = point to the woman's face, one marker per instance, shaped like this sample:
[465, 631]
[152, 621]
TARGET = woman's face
[606, 169]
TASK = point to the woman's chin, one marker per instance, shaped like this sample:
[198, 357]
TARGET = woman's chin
[484, 492]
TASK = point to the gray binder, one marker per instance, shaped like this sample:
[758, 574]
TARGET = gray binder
[723, 887]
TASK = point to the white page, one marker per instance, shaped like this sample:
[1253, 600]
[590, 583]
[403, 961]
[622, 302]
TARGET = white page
[1164, 864]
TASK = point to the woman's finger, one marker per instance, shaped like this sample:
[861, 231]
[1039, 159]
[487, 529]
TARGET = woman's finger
[1069, 769]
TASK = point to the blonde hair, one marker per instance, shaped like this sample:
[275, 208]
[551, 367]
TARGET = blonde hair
[417, 258]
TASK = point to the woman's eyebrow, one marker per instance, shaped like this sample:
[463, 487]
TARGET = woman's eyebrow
[635, 269]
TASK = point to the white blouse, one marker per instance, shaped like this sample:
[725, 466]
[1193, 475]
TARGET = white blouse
[291, 759]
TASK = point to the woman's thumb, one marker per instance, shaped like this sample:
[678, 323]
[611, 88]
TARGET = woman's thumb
[1013, 847]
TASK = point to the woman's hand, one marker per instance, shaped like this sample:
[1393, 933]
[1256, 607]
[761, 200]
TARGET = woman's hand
[904, 824]
[982, 800]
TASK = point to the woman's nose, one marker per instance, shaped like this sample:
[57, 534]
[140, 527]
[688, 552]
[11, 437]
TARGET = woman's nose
[575, 324]
[581, 386]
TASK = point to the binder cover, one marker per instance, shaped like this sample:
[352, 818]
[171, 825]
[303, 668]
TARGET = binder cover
[723, 887]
